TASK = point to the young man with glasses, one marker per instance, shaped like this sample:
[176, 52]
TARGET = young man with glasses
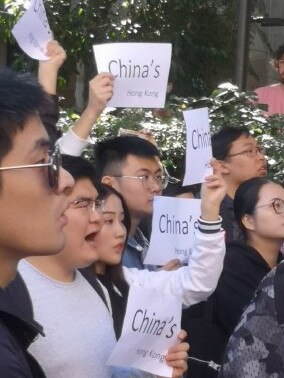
[33, 201]
[132, 166]
[240, 158]
[273, 95]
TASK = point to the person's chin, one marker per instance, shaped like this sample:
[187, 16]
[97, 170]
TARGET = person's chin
[149, 206]
[57, 246]
[148, 212]
[262, 172]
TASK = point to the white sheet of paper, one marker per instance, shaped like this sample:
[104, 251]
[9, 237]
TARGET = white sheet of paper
[141, 72]
[151, 326]
[32, 31]
[198, 146]
[173, 227]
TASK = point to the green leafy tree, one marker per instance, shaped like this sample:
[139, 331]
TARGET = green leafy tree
[202, 34]
[228, 107]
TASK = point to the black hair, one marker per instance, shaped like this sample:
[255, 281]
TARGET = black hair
[279, 52]
[173, 190]
[114, 272]
[49, 114]
[222, 140]
[246, 198]
[20, 98]
[79, 168]
[105, 191]
[110, 154]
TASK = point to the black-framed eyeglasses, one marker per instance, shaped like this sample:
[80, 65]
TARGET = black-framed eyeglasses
[53, 165]
[277, 204]
[88, 203]
[250, 152]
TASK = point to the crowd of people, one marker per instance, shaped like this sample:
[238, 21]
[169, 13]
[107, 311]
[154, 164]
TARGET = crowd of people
[71, 244]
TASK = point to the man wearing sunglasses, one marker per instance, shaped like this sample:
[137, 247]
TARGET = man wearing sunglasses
[33, 201]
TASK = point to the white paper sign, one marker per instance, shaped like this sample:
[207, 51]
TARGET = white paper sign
[141, 72]
[198, 146]
[173, 227]
[151, 326]
[32, 31]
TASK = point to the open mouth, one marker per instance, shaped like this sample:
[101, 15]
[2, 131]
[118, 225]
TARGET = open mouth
[90, 238]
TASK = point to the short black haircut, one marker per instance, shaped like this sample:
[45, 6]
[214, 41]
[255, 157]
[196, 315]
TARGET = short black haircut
[114, 273]
[20, 98]
[79, 168]
[222, 140]
[279, 52]
[49, 113]
[246, 198]
[110, 154]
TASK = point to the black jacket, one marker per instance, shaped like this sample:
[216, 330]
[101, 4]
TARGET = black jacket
[17, 331]
[210, 324]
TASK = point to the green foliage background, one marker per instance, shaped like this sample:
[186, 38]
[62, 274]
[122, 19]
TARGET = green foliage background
[227, 107]
[203, 35]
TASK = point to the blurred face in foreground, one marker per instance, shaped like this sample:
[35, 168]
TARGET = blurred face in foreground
[32, 212]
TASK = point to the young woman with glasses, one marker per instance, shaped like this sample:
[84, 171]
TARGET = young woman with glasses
[256, 346]
[259, 210]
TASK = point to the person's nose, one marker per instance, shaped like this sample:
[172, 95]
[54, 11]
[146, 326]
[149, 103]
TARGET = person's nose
[261, 157]
[96, 218]
[155, 187]
[120, 231]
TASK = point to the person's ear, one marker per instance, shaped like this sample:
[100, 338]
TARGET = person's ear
[108, 180]
[248, 222]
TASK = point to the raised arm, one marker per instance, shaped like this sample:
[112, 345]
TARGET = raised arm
[47, 77]
[100, 92]
[213, 192]
[199, 279]
[48, 69]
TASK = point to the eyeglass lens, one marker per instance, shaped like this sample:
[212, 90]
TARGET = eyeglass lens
[278, 206]
[149, 181]
[54, 168]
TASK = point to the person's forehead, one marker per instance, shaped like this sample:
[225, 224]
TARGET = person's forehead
[112, 202]
[244, 141]
[270, 191]
[31, 139]
[142, 162]
[84, 188]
